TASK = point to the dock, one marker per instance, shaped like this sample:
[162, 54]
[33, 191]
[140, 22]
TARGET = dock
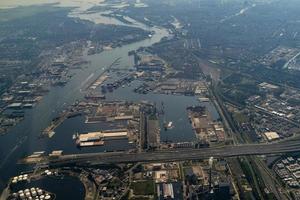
[102, 135]
[98, 138]
[99, 81]
[49, 131]
[103, 76]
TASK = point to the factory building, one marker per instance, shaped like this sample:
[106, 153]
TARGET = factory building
[271, 136]
[168, 191]
[98, 138]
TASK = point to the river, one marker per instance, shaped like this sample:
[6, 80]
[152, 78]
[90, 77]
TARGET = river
[23, 139]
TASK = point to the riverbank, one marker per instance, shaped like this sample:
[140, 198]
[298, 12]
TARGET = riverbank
[23, 138]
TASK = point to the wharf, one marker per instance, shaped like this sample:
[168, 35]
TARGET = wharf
[49, 131]
[94, 136]
[102, 77]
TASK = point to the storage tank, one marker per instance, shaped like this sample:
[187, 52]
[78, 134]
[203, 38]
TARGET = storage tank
[33, 193]
[22, 196]
[40, 192]
[27, 194]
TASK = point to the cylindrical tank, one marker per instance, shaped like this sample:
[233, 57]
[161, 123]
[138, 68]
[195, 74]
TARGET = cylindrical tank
[40, 192]
[27, 194]
[22, 196]
[33, 193]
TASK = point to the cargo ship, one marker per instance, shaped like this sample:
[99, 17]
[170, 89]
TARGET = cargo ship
[90, 144]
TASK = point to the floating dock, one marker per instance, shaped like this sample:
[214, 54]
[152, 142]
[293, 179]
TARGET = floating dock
[203, 99]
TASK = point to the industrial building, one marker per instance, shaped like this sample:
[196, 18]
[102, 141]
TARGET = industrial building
[271, 136]
[288, 170]
[168, 191]
[97, 138]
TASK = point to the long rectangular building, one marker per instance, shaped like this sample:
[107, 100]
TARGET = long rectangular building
[94, 136]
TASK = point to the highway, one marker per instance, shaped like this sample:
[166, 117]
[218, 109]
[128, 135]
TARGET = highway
[174, 155]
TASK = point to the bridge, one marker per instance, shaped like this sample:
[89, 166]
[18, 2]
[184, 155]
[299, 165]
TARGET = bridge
[171, 155]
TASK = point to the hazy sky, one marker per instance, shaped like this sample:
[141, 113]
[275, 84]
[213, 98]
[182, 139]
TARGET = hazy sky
[80, 3]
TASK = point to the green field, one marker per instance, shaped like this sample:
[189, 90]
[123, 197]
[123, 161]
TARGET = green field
[143, 188]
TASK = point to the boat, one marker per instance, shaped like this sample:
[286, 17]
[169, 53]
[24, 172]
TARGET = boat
[75, 136]
[90, 144]
[203, 99]
[168, 125]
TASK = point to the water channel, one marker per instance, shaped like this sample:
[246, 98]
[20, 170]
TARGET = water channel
[23, 140]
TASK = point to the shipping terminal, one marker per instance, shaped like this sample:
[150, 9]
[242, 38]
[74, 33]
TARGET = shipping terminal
[98, 138]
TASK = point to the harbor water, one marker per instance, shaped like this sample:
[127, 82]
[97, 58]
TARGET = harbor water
[23, 139]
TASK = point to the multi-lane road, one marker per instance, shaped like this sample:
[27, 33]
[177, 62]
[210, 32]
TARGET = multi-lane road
[176, 155]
